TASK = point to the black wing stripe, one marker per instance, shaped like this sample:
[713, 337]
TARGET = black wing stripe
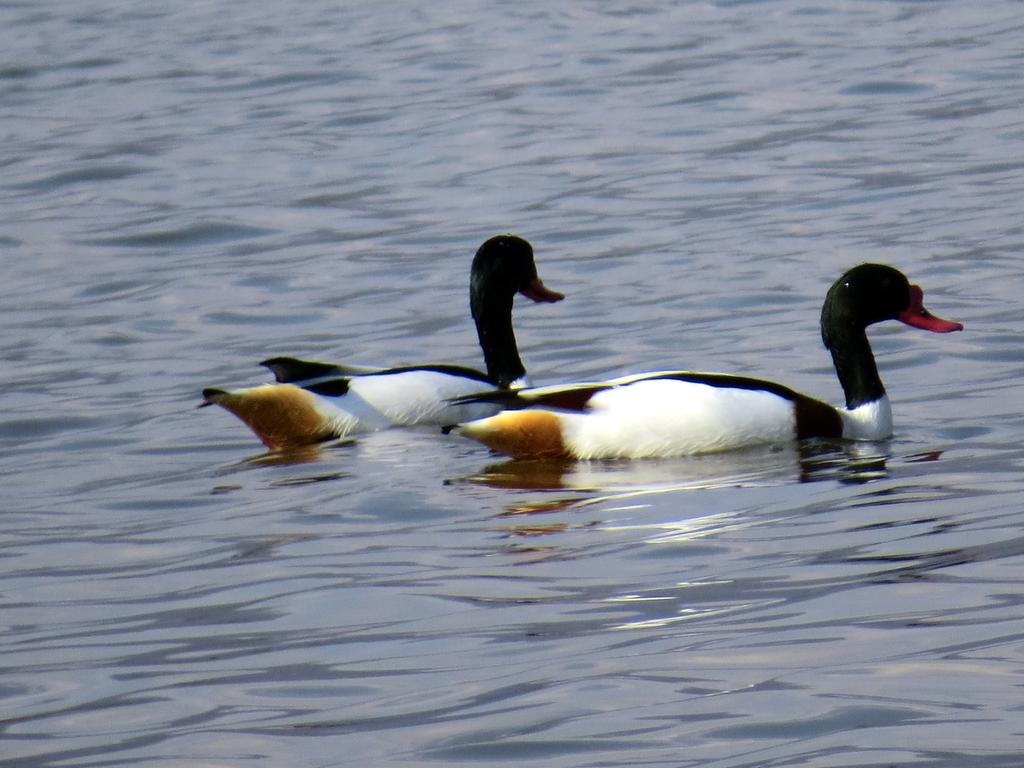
[288, 370]
[329, 387]
[450, 370]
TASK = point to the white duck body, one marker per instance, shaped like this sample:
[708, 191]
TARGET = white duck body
[665, 417]
[649, 415]
[288, 416]
[417, 396]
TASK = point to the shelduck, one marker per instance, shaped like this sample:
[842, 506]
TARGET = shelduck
[676, 413]
[313, 402]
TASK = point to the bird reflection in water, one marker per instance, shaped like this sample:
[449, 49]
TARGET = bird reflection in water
[577, 485]
[809, 461]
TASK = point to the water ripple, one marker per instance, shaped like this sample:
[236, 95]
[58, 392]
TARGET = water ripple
[198, 234]
[185, 197]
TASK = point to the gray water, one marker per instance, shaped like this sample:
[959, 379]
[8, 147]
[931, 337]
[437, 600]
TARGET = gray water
[191, 187]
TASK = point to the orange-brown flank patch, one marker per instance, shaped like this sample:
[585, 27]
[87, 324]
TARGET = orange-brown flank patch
[282, 416]
[521, 434]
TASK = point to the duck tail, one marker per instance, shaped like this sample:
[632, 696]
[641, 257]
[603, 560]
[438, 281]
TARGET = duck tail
[212, 396]
[281, 415]
[288, 370]
[574, 397]
[507, 398]
[291, 370]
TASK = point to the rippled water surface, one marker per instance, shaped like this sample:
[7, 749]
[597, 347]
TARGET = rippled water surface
[191, 187]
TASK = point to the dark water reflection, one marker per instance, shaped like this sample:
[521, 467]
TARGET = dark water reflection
[807, 462]
[192, 188]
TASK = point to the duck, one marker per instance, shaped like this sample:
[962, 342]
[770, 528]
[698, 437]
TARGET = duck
[664, 414]
[311, 402]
